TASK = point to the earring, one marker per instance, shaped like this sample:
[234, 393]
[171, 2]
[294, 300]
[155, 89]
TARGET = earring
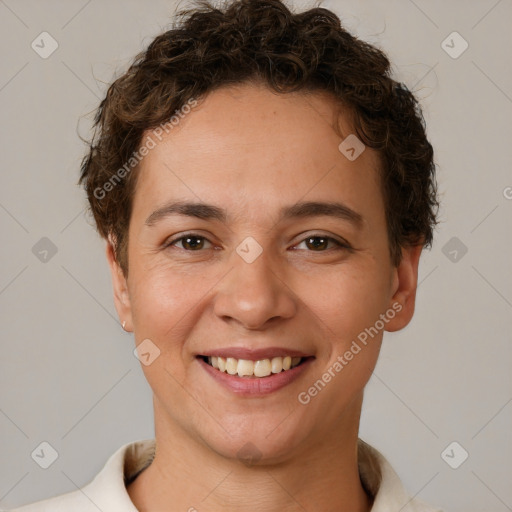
[124, 323]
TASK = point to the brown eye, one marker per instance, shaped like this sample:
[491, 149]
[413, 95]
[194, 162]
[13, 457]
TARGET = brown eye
[189, 242]
[192, 242]
[320, 243]
[317, 242]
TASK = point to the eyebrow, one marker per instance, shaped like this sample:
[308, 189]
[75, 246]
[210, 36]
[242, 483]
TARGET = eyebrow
[299, 210]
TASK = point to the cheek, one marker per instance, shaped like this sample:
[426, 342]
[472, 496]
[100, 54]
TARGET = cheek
[347, 306]
[166, 304]
[349, 303]
[349, 300]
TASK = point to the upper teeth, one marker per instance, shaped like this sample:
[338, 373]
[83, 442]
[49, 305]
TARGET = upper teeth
[246, 367]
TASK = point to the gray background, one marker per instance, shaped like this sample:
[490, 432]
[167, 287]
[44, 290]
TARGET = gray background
[68, 375]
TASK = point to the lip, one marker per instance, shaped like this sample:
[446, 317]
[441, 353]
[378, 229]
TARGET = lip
[258, 386]
[255, 354]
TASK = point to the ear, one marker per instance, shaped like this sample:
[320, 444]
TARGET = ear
[120, 288]
[404, 284]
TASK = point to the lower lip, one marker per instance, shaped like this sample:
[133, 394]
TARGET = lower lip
[256, 386]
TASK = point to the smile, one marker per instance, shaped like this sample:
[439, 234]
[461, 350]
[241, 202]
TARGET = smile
[253, 369]
[248, 384]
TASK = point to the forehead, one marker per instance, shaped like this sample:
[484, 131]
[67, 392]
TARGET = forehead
[247, 144]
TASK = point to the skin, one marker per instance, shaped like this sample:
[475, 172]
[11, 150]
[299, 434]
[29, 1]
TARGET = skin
[252, 151]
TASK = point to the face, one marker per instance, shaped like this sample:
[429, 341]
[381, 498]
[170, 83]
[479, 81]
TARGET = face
[289, 258]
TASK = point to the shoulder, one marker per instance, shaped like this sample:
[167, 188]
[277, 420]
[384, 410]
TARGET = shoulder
[384, 485]
[71, 501]
[108, 490]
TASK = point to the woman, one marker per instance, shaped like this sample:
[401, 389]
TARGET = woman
[265, 189]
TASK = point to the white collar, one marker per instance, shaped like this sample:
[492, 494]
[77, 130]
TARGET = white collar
[108, 492]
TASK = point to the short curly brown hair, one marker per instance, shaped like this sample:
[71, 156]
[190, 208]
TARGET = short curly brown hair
[262, 41]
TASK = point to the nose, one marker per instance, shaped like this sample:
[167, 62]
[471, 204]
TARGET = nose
[255, 294]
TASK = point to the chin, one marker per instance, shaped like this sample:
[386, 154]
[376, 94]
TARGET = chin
[254, 442]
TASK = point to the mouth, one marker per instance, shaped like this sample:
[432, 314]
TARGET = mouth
[254, 369]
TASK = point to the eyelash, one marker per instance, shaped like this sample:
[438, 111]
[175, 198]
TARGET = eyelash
[340, 245]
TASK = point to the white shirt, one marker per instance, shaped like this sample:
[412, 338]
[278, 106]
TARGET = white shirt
[107, 492]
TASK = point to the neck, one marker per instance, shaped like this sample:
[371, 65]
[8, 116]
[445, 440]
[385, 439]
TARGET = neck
[188, 475]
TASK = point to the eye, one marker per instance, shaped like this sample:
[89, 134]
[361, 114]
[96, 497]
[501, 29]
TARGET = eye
[190, 242]
[193, 242]
[319, 243]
